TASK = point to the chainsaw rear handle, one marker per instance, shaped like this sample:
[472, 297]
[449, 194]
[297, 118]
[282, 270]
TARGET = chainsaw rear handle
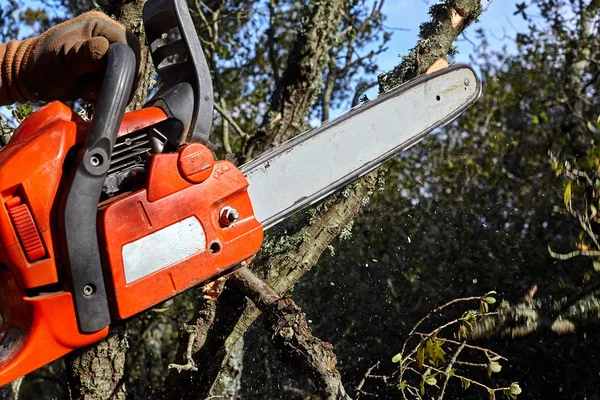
[186, 93]
[79, 219]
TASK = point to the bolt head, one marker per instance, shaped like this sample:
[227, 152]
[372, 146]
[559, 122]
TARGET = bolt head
[228, 216]
[88, 290]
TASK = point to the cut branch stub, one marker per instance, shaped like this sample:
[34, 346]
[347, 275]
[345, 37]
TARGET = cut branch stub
[449, 20]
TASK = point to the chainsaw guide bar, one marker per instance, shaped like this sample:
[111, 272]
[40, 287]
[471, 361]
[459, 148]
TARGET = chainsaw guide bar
[315, 164]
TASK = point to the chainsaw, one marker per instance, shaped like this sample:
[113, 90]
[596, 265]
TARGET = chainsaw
[103, 219]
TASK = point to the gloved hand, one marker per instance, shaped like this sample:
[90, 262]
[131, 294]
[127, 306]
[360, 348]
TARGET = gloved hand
[65, 63]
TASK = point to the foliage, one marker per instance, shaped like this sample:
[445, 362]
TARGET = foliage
[427, 364]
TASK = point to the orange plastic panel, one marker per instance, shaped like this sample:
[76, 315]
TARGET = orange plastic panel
[168, 201]
[36, 330]
[31, 169]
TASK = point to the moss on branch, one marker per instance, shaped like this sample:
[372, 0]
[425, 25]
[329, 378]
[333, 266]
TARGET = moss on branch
[448, 20]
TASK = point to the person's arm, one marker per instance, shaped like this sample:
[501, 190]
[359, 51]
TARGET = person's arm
[64, 63]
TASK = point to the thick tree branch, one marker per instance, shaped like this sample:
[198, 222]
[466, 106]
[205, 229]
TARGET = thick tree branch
[449, 19]
[292, 336]
[97, 372]
[301, 81]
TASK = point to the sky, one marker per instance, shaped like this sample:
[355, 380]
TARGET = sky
[497, 20]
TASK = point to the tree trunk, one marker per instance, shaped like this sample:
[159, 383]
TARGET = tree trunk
[96, 373]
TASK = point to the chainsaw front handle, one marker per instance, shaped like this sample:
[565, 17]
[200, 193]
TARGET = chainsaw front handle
[84, 265]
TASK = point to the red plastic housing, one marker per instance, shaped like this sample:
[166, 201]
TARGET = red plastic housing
[38, 318]
[155, 223]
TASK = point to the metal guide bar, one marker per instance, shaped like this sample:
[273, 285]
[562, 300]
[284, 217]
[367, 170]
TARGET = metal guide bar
[313, 165]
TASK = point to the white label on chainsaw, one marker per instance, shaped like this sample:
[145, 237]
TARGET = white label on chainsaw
[163, 248]
[9, 342]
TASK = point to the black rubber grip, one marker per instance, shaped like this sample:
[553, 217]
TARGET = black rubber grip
[186, 93]
[84, 264]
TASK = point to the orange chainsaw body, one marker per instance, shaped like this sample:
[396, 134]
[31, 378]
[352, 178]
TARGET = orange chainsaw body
[179, 190]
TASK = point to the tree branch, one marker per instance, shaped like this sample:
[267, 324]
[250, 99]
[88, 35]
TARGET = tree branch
[301, 81]
[292, 335]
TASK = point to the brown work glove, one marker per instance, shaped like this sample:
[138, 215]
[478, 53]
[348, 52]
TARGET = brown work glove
[65, 63]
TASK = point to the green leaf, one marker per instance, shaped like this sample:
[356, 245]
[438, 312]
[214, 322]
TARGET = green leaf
[489, 300]
[483, 307]
[596, 266]
[431, 381]
[495, 367]
[437, 354]
[567, 195]
[465, 384]
[420, 356]
[402, 385]
[397, 358]
[592, 128]
[515, 389]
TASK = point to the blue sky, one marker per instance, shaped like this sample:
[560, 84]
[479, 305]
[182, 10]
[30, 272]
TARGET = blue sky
[497, 20]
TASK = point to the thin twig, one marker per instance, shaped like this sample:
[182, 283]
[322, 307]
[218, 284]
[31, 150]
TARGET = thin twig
[367, 375]
[573, 254]
[235, 126]
[449, 367]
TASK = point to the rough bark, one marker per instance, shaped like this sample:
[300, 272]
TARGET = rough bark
[209, 353]
[449, 19]
[130, 15]
[292, 337]
[301, 81]
[96, 373]
[229, 380]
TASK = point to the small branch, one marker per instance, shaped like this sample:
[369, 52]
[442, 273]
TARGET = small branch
[178, 384]
[367, 375]
[473, 382]
[449, 367]
[228, 118]
[573, 254]
[190, 365]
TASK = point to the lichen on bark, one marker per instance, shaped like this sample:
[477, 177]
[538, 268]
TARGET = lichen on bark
[448, 20]
[96, 373]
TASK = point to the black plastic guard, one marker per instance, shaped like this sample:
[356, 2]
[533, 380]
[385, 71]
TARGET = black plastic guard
[84, 265]
[186, 93]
